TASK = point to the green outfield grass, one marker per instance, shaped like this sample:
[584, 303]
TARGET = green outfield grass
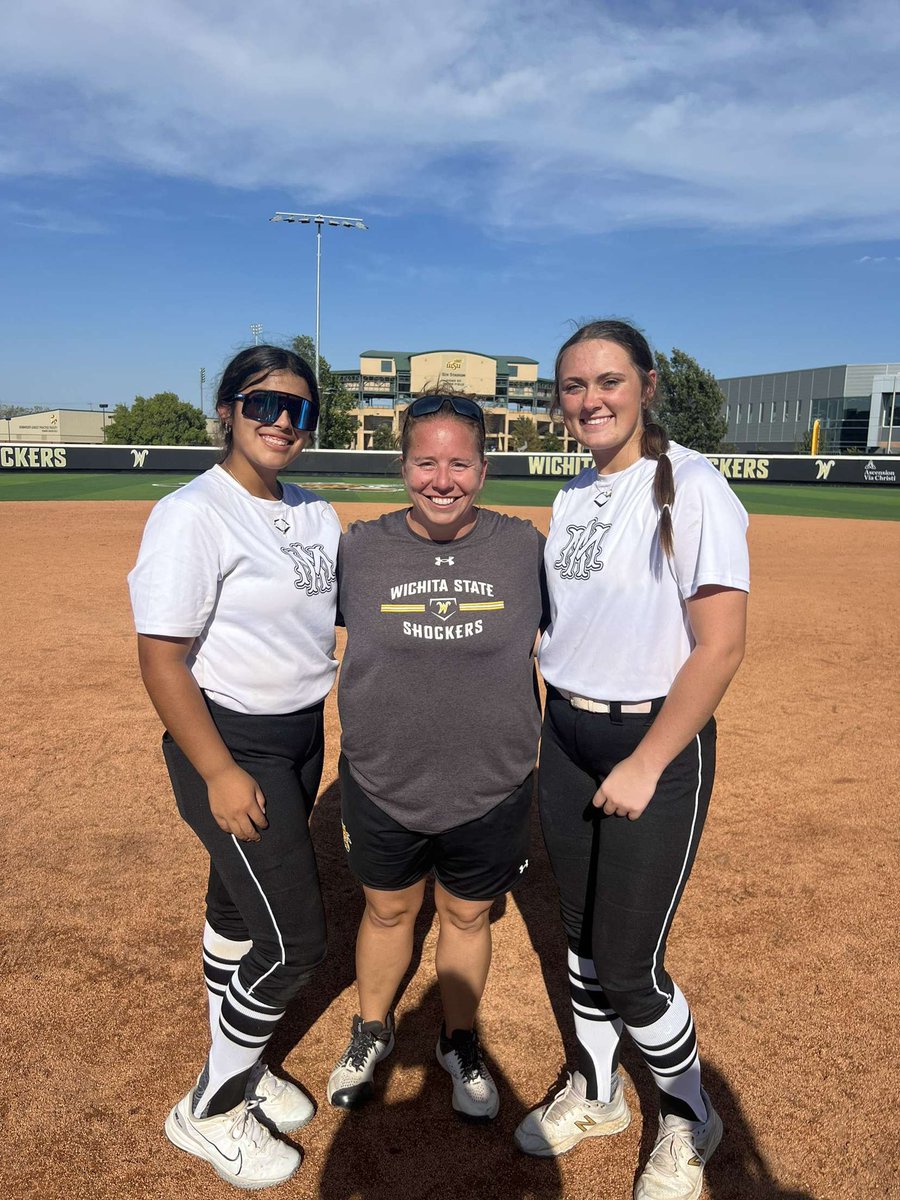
[802, 500]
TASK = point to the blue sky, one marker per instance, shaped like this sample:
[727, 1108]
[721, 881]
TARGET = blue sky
[725, 175]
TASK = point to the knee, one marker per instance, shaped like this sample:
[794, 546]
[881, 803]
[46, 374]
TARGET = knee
[391, 912]
[636, 1002]
[463, 916]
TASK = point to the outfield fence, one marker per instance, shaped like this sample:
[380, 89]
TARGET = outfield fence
[878, 470]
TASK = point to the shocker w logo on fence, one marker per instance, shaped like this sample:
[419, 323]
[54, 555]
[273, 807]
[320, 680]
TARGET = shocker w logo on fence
[312, 564]
[581, 553]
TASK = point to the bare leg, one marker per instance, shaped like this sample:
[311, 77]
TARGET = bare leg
[463, 956]
[384, 947]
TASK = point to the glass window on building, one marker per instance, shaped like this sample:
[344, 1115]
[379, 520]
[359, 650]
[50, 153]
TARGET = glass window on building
[386, 366]
[737, 414]
[513, 370]
[749, 413]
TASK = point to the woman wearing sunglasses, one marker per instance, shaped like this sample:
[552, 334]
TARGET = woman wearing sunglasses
[234, 599]
[440, 721]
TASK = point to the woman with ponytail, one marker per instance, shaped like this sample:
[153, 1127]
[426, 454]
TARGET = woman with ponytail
[648, 574]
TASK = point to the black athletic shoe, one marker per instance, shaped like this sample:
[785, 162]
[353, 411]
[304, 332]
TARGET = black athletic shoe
[350, 1083]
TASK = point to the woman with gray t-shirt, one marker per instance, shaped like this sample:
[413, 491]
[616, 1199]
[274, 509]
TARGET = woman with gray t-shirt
[440, 721]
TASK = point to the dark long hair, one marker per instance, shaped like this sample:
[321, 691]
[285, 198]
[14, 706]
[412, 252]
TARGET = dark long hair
[654, 439]
[252, 366]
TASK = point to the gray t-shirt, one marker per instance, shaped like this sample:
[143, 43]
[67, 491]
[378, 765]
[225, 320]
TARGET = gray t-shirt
[439, 708]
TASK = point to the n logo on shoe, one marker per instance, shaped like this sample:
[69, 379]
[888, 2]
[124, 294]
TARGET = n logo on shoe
[585, 1125]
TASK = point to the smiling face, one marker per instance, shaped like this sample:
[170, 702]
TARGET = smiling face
[443, 472]
[259, 452]
[603, 397]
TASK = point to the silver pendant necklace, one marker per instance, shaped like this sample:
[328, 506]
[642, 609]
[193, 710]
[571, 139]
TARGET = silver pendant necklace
[604, 494]
[279, 522]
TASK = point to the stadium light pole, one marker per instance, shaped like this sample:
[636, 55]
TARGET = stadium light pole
[202, 382]
[319, 219]
[103, 408]
[256, 330]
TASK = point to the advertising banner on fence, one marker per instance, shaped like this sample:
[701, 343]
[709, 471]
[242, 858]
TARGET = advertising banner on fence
[879, 470]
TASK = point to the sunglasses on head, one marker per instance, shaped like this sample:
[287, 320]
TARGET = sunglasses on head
[461, 405]
[266, 407]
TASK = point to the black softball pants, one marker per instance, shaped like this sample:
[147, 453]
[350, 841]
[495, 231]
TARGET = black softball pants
[620, 881]
[268, 891]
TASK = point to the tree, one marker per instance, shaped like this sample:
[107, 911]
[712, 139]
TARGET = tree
[690, 403]
[7, 411]
[552, 443]
[337, 424]
[384, 438]
[160, 420]
[523, 435]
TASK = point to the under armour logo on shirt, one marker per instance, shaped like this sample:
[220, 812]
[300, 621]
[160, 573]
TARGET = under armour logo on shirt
[444, 562]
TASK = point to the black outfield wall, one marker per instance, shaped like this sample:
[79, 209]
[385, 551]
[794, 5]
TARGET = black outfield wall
[747, 468]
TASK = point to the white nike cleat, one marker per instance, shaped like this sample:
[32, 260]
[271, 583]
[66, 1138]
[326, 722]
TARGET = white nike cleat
[279, 1101]
[568, 1119]
[238, 1148]
[674, 1170]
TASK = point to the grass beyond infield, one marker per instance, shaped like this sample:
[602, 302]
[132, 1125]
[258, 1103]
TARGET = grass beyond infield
[801, 500]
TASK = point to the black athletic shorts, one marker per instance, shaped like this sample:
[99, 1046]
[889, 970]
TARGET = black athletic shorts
[476, 861]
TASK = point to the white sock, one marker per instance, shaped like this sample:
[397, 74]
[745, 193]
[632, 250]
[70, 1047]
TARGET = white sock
[669, 1048]
[244, 1028]
[597, 1028]
[220, 959]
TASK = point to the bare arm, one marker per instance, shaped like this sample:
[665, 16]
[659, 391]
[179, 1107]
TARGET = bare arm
[235, 799]
[718, 618]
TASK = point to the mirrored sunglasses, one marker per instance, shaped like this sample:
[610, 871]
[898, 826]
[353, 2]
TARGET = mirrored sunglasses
[266, 407]
[461, 405]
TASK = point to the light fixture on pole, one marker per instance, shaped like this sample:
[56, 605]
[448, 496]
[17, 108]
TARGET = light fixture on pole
[202, 382]
[103, 408]
[319, 219]
[256, 330]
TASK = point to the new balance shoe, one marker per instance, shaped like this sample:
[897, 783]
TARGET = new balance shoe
[279, 1102]
[474, 1092]
[674, 1170]
[238, 1148]
[350, 1083]
[568, 1119]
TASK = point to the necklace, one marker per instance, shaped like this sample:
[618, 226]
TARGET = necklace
[604, 491]
[280, 496]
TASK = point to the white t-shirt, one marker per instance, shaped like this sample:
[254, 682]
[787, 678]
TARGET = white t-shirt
[253, 581]
[619, 627]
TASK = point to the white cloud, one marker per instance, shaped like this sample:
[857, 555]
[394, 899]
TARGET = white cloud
[564, 115]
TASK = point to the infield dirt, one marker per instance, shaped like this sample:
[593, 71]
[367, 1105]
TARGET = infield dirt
[785, 943]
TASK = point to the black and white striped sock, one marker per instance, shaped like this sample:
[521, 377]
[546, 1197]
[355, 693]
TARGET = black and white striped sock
[597, 1028]
[669, 1048]
[245, 1026]
[221, 956]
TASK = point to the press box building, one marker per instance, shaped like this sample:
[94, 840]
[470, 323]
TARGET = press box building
[508, 387]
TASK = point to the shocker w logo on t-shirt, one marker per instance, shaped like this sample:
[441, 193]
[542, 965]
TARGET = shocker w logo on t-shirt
[582, 552]
[312, 564]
